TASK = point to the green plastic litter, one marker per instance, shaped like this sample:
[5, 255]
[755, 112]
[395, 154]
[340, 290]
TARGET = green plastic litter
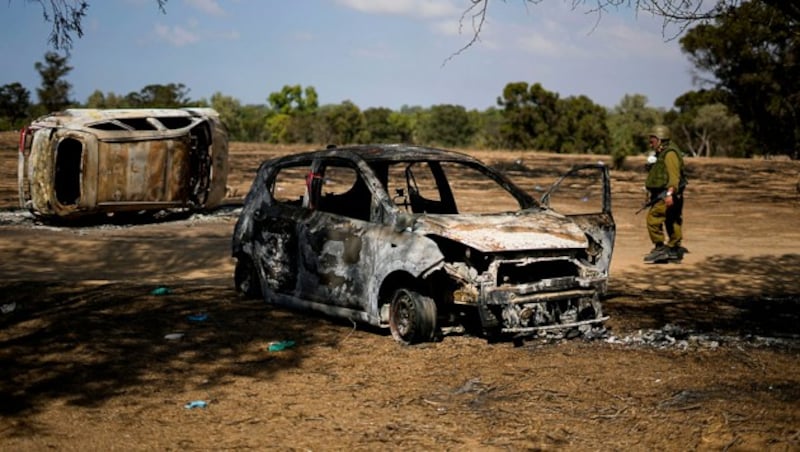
[282, 345]
[160, 291]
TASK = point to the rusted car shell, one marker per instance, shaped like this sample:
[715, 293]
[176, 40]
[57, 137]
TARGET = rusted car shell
[87, 161]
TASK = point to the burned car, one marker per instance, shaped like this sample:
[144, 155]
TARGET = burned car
[422, 240]
[80, 162]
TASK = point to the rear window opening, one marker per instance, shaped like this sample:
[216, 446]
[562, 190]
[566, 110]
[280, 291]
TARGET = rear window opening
[69, 156]
[130, 124]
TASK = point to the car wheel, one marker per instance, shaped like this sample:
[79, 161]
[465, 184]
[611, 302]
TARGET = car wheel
[245, 278]
[412, 317]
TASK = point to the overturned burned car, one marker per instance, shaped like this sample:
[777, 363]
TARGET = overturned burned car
[81, 162]
[423, 240]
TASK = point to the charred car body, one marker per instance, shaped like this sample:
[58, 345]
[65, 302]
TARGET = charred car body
[80, 162]
[388, 235]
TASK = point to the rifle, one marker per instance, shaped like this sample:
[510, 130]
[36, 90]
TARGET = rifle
[662, 195]
[652, 201]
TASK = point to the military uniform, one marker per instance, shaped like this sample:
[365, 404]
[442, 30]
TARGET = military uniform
[666, 177]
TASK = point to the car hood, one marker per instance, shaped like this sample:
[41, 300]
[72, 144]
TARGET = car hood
[525, 230]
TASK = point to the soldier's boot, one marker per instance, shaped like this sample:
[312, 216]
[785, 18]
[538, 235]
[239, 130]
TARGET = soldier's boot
[660, 253]
[676, 253]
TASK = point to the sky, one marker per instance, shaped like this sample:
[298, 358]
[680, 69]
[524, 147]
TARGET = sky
[373, 53]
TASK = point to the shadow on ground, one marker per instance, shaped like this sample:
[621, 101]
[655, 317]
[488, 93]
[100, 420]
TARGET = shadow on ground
[86, 343]
[724, 294]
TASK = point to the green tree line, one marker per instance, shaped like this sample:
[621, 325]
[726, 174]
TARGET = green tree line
[747, 107]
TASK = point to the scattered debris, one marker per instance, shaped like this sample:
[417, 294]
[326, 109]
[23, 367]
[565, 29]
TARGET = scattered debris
[196, 404]
[161, 291]
[666, 337]
[280, 345]
[199, 317]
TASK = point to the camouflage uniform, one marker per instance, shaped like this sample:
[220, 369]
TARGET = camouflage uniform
[666, 175]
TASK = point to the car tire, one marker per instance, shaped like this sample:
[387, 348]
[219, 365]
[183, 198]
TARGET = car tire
[245, 278]
[412, 317]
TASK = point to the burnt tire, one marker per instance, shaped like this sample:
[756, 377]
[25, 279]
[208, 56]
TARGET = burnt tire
[412, 317]
[245, 278]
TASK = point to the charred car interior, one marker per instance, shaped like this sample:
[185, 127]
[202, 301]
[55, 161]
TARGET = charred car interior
[81, 162]
[423, 241]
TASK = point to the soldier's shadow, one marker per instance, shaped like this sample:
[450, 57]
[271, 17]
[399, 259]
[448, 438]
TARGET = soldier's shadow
[724, 294]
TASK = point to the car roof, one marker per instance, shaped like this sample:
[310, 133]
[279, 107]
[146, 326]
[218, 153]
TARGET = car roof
[384, 152]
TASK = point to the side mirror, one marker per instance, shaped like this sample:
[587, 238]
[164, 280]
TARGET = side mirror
[403, 222]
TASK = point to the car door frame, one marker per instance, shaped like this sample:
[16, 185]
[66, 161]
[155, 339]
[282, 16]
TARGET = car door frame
[600, 226]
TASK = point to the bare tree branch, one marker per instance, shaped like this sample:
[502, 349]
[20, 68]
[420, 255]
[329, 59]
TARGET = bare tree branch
[480, 16]
[679, 13]
[67, 19]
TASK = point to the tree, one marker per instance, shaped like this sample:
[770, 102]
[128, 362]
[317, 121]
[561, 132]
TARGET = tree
[294, 100]
[382, 125]
[445, 125]
[713, 126]
[754, 54]
[54, 92]
[252, 123]
[338, 124]
[229, 110]
[581, 127]
[15, 105]
[277, 128]
[488, 125]
[628, 124]
[108, 100]
[530, 113]
[705, 126]
[173, 95]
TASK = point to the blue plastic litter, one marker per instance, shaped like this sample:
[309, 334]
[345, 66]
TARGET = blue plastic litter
[282, 345]
[196, 404]
[200, 317]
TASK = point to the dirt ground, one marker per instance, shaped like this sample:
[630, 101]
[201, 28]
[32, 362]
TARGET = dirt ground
[701, 355]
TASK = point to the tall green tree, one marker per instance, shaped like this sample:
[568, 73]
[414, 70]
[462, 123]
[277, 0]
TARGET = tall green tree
[628, 124]
[172, 95]
[753, 51]
[338, 124]
[531, 113]
[446, 125]
[382, 125]
[98, 99]
[278, 128]
[581, 127]
[230, 113]
[54, 94]
[15, 105]
[293, 99]
[704, 126]
[488, 124]
[251, 120]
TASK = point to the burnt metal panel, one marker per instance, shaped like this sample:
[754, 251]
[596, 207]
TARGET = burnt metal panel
[519, 273]
[131, 159]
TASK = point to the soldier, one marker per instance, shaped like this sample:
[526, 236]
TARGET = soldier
[665, 182]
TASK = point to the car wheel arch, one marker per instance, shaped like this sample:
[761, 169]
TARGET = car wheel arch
[391, 283]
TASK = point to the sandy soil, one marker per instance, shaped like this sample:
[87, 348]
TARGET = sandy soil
[701, 355]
